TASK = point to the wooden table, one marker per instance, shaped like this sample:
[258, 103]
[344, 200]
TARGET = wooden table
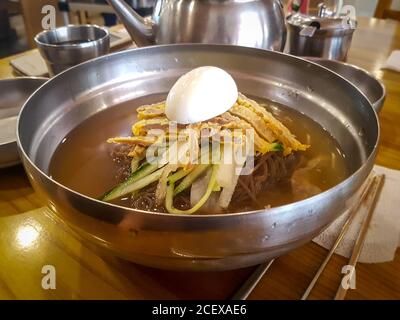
[30, 237]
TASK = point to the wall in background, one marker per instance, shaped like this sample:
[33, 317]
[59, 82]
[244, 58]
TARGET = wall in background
[396, 5]
[364, 8]
[367, 7]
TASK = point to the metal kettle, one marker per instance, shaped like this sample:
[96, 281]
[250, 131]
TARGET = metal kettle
[252, 23]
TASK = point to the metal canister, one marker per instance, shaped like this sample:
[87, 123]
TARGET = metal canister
[323, 36]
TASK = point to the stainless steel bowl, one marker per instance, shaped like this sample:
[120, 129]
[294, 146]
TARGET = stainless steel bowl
[70, 45]
[213, 242]
[373, 89]
[13, 94]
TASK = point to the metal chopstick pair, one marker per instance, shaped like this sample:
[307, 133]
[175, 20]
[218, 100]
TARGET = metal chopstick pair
[372, 197]
[372, 190]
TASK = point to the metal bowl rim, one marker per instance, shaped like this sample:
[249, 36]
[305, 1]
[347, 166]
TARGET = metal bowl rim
[313, 59]
[208, 216]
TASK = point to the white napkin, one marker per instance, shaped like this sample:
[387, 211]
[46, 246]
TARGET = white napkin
[383, 236]
[393, 62]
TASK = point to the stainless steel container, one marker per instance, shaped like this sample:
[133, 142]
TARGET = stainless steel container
[68, 46]
[197, 242]
[252, 23]
[324, 37]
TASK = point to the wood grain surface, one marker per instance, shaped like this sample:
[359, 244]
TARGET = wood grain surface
[31, 237]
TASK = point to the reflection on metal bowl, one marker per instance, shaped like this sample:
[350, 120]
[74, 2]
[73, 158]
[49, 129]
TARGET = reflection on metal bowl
[211, 242]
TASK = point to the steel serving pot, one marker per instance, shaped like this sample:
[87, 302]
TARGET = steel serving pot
[213, 242]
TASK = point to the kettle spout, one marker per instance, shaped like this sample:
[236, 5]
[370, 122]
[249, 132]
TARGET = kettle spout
[140, 29]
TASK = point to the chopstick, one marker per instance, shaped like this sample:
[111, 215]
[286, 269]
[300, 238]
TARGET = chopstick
[372, 200]
[248, 286]
[370, 194]
[343, 231]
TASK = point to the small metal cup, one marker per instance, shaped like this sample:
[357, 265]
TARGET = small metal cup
[65, 47]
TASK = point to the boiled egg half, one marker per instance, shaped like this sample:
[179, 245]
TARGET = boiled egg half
[201, 94]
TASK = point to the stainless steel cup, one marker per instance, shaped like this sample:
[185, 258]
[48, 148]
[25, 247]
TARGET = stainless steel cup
[65, 47]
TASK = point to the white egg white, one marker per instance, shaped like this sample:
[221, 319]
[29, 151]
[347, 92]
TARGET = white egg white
[201, 94]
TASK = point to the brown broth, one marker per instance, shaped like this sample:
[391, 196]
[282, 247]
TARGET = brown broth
[83, 163]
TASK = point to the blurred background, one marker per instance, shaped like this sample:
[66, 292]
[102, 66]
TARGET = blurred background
[20, 20]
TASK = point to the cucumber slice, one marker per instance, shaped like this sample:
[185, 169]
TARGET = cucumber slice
[128, 185]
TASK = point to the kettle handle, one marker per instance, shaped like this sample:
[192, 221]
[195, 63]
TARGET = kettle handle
[340, 4]
[140, 30]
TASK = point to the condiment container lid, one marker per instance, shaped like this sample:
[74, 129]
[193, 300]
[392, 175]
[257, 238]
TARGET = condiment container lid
[322, 23]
